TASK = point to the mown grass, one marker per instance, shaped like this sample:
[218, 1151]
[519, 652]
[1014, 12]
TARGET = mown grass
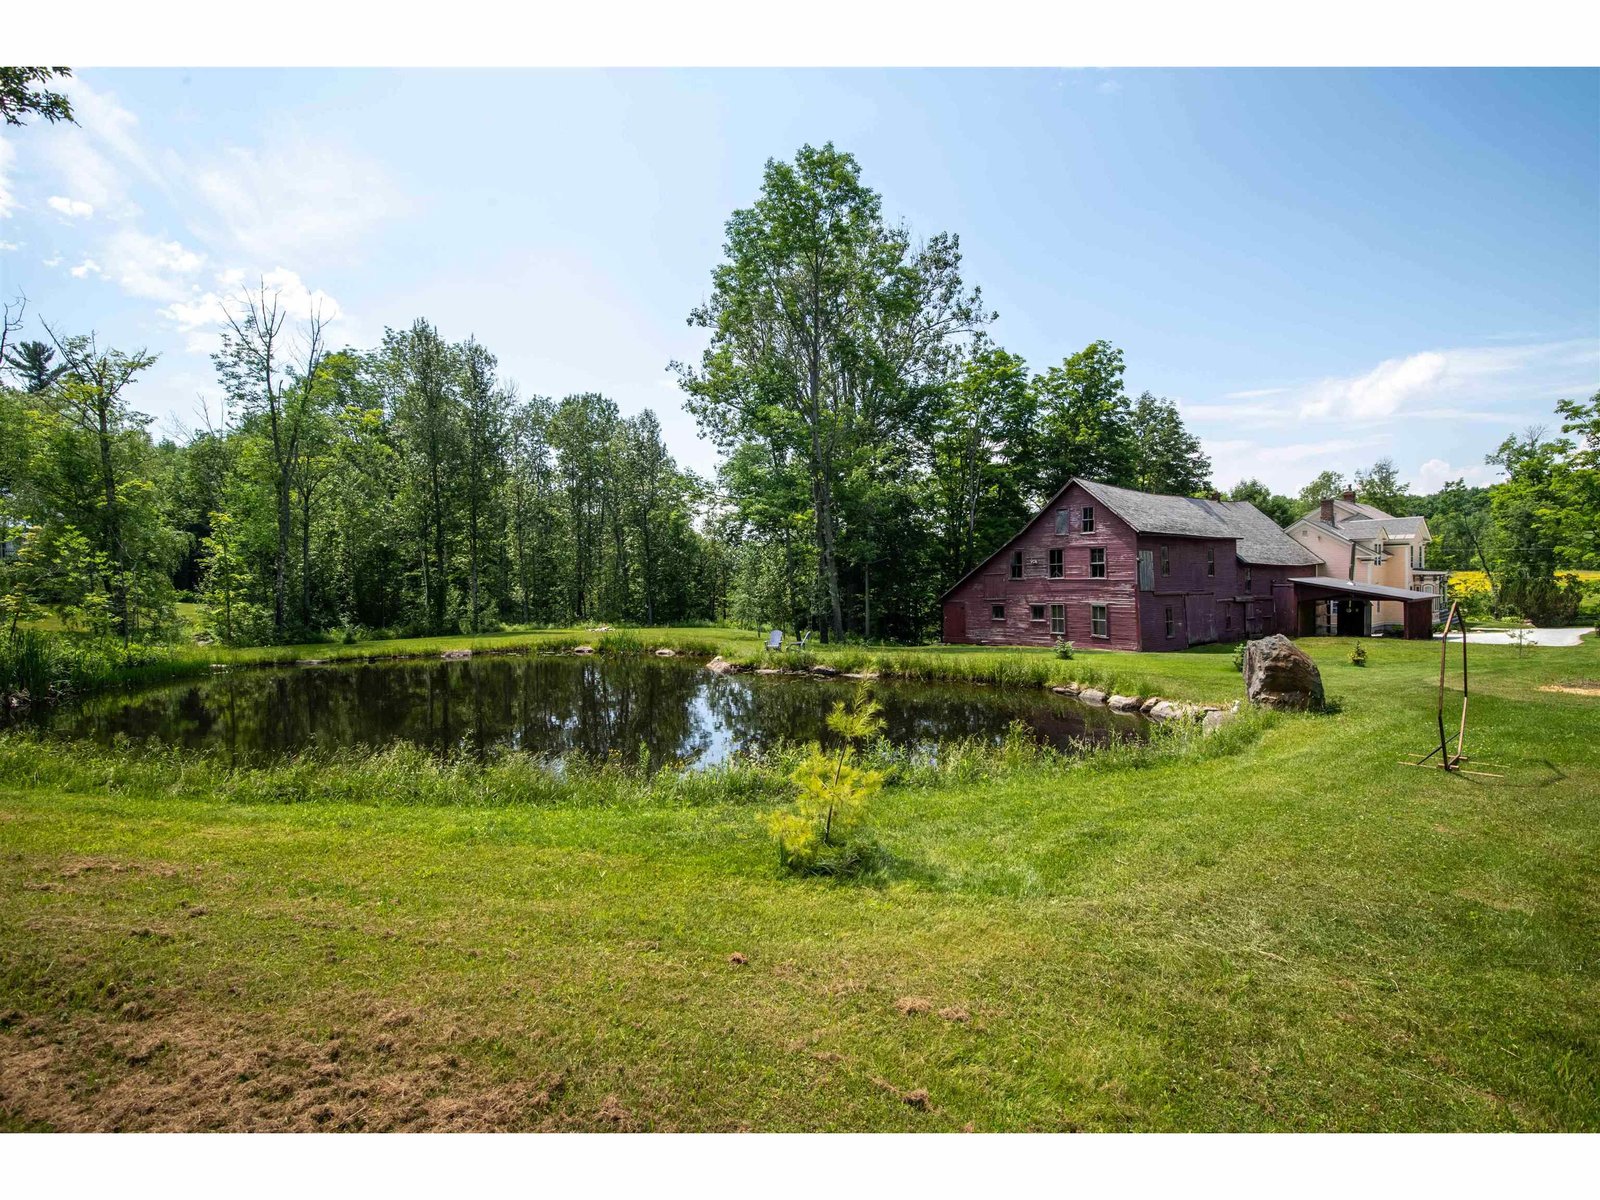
[1279, 927]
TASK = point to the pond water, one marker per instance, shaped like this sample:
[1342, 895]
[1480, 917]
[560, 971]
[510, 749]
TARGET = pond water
[552, 705]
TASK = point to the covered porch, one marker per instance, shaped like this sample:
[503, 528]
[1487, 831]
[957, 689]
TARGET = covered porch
[1329, 607]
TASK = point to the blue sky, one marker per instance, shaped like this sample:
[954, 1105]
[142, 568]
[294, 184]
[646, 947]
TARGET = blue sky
[1321, 267]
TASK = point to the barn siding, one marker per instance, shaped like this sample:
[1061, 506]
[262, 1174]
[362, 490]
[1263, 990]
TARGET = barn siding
[992, 584]
[1206, 608]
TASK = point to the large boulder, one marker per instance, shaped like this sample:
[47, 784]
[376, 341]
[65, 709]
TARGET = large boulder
[1278, 674]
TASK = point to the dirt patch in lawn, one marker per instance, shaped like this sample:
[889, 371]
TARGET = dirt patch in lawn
[199, 1069]
[1584, 687]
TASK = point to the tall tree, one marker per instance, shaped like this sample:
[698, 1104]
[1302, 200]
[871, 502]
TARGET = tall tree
[1087, 422]
[1326, 485]
[274, 377]
[1380, 486]
[484, 409]
[825, 325]
[1281, 509]
[1169, 458]
[32, 363]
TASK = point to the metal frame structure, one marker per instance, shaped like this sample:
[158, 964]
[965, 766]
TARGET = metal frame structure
[1451, 759]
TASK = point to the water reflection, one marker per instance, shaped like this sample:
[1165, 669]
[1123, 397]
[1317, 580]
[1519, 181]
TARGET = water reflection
[670, 710]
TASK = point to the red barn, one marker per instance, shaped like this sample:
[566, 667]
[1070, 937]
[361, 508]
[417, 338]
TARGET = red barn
[1128, 570]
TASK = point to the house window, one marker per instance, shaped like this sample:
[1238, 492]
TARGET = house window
[1166, 562]
[1061, 522]
[1098, 625]
[1016, 564]
[1211, 562]
[997, 612]
[1227, 620]
[1169, 620]
[1088, 518]
[1247, 580]
[1058, 619]
[1036, 612]
[1097, 564]
[1055, 563]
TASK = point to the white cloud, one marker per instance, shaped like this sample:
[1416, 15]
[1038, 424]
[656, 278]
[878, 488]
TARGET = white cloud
[1255, 393]
[71, 208]
[1435, 473]
[1381, 391]
[84, 269]
[8, 155]
[5, 246]
[149, 267]
[202, 316]
[293, 199]
[53, 261]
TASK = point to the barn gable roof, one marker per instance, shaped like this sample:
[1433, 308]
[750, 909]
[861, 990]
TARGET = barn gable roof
[1257, 539]
[1260, 542]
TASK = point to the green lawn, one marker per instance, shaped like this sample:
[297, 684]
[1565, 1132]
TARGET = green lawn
[1278, 928]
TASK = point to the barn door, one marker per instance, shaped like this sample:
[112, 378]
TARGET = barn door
[1147, 571]
[955, 621]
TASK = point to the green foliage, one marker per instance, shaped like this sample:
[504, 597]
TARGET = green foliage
[23, 91]
[820, 834]
[1063, 648]
[1285, 510]
[1358, 655]
[1545, 600]
[1238, 658]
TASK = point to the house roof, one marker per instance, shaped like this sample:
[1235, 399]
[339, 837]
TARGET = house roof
[1373, 591]
[1404, 529]
[1258, 539]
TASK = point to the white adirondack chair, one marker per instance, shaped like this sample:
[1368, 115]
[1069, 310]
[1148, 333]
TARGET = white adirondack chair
[775, 640]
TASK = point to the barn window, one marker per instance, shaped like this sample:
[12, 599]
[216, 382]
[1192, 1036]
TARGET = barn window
[1036, 612]
[1016, 564]
[1055, 563]
[1088, 518]
[1247, 579]
[1098, 625]
[1058, 619]
[997, 611]
[1169, 620]
[1166, 562]
[1211, 562]
[1097, 564]
[1061, 522]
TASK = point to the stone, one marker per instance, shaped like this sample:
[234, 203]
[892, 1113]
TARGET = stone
[1278, 674]
[1149, 703]
[583, 649]
[721, 666]
[1065, 689]
[768, 671]
[453, 655]
[1123, 703]
[1092, 696]
[310, 662]
[666, 652]
[1166, 710]
[1215, 720]
[824, 670]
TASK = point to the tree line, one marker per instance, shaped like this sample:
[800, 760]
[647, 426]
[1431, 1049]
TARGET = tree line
[406, 488]
[877, 443]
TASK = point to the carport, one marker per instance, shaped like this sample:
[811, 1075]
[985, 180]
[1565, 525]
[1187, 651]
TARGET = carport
[1343, 608]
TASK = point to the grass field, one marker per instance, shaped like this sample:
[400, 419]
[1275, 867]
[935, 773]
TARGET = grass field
[1278, 927]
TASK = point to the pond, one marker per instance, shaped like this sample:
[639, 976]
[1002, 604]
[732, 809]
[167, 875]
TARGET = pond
[672, 709]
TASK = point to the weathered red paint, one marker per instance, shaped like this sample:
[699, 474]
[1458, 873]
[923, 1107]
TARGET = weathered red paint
[1228, 602]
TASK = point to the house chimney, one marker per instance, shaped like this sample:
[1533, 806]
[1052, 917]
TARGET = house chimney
[1327, 513]
[1349, 496]
[1216, 496]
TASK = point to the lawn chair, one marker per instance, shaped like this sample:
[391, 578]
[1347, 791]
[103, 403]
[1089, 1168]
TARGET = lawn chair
[775, 640]
[801, 644]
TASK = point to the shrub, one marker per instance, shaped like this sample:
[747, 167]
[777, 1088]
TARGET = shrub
[820, 834]
[1358, 655]
[1238, 658]
[1063, 648]
[1545, 600]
